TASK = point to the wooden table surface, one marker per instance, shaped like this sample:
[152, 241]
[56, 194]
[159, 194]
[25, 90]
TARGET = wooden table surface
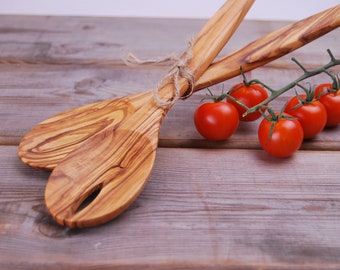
[208, 205]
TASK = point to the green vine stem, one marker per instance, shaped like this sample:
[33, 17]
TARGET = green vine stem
[306, 74]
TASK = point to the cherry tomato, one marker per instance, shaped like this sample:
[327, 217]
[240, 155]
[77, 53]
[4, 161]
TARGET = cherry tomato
[216, 120]
[330, 98]
[280, 137]
[312, 115]
[250, 96]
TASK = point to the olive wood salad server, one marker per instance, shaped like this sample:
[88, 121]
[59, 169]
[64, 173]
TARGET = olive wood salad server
[115, 164]
[118, 172]
[52, 140]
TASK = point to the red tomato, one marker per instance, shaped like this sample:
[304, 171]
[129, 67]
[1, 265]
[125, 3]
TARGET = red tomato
[281, 137]
[330, 98]
[250, 96]
[216, 120]
[311, 115]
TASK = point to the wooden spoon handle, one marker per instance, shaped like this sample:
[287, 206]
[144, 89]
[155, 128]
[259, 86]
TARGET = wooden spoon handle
[215, 34]
[270, 47]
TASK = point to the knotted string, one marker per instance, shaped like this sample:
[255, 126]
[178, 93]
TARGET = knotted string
[177, 71]
[132, 60]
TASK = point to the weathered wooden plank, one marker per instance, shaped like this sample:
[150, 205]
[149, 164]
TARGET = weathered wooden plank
[44, 90]
[53, 40]
[202, 209]
[233, 208]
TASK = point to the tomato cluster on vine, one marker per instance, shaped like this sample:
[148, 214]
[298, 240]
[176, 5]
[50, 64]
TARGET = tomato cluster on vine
[281, 133]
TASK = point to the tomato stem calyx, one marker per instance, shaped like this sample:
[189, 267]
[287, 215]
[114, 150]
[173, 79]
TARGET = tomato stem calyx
[246, 82]
[274, 117]
[215, 98]
[308, 98]
[335, 84]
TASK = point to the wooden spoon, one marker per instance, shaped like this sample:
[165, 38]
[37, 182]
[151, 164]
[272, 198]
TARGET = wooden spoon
[114, 165]
[51, 141]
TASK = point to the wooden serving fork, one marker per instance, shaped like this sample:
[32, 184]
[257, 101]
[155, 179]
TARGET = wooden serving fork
[116, 162]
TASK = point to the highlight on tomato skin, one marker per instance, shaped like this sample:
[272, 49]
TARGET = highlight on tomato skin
[330, 98]
[216, 120]
[250, 96]
[280, 137]
[312, 115]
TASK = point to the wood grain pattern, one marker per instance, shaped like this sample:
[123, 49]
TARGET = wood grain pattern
[207, 208]
[270, 214]
[116, 162]
[56, 137]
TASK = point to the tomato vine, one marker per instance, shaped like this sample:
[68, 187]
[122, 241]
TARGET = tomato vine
[306, 74]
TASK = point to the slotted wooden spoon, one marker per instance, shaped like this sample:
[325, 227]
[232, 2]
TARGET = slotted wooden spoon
[51, 141]
[116, 162]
